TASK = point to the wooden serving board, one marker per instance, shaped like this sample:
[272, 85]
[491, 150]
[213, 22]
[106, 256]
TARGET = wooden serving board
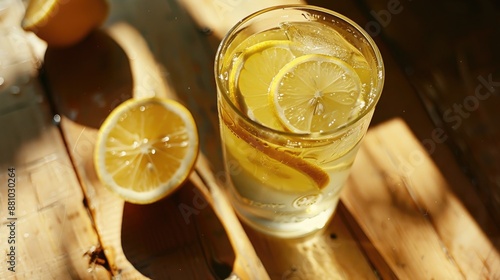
[406, 209]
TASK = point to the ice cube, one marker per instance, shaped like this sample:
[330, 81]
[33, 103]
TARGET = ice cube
[316, 37]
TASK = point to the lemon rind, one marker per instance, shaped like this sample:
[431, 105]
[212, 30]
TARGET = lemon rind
[36, 17]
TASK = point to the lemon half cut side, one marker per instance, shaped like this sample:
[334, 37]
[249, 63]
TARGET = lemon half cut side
[146, 148]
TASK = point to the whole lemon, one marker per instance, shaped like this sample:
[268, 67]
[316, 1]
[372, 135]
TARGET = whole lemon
[62, 23]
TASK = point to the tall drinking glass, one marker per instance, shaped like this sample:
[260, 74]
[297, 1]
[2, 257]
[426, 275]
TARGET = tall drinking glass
[297, 87]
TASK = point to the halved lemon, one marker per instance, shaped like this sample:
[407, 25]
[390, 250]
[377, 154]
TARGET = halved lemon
[62, 23]
[252, 74]
[146, 149]
[314, 93]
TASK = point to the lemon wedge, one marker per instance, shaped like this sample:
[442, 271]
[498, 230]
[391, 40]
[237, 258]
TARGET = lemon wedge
[146, 148]
[315, 93]
[63, 23]
[251, 76]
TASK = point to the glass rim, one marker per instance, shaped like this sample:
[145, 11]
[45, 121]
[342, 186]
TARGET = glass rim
[306, 7]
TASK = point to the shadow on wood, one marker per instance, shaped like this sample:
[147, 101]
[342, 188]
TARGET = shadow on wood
[88, 80]
[169, 238]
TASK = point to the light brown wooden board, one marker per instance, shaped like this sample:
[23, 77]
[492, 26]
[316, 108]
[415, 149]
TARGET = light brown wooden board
[407, 211]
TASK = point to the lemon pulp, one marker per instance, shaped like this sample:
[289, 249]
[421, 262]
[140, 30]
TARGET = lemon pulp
[146, 148]
[314, 93]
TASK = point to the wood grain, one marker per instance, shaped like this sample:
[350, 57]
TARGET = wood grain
[53, 228]
[408, 212]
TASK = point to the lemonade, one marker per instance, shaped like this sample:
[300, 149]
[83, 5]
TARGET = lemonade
[297, 88]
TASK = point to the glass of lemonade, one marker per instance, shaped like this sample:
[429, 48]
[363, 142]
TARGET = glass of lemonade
[297, 87]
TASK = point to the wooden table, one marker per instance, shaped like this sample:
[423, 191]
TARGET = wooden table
[407, 212]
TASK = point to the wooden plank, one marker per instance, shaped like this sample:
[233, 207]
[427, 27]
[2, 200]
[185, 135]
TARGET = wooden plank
[406, 209]
[49, 227]
[53, 230]
[464, 241]
[379, 265]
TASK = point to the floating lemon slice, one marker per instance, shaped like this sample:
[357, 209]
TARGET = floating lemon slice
[251, 75]
[146, 149]
[64, 22]
[314, 93]
[241, 42]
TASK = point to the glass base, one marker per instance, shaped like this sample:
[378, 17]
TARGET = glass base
[289, 229]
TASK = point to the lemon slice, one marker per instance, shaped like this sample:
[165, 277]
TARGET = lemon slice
[146, 149]
[251, 76]
[272, 167]
[62, 23]
[241, 42]
[315, 93]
